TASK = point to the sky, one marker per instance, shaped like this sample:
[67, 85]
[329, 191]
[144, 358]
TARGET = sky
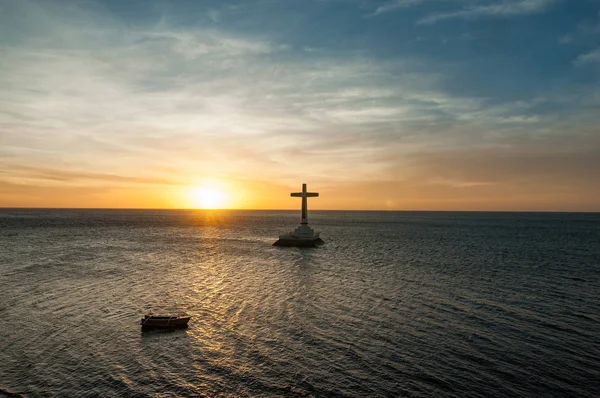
[377, 105]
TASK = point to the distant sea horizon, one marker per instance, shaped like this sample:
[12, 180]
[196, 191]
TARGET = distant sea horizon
[298, 210]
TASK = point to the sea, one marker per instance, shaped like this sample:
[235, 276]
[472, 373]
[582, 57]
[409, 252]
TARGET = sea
[395, 304]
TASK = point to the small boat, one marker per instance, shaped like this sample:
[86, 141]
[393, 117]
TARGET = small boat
[156, 321]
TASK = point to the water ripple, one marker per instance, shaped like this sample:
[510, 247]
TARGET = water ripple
[395, 304]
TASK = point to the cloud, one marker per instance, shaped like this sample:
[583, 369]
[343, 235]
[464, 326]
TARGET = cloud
[585, 31]
[589, 57]
[552, 176]
[394, 5]
[554, 166]
[41, 175]
[500, 9]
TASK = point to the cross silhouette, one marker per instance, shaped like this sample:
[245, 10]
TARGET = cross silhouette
[304, 195]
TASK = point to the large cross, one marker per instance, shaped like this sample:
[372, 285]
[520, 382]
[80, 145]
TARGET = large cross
[304, 195]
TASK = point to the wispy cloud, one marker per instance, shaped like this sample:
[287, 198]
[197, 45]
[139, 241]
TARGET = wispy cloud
[587, 29]
[394, 5]
[589, 57]
[17, 172]
[499, 9]
[553, 176]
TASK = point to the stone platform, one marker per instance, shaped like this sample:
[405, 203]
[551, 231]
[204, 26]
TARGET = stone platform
[303, 236]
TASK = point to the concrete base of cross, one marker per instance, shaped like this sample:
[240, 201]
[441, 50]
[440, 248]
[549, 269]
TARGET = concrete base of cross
[303, 236]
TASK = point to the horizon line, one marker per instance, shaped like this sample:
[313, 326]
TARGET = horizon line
[295, 210]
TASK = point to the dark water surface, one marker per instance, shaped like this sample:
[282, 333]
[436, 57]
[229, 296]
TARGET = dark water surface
[412, 304]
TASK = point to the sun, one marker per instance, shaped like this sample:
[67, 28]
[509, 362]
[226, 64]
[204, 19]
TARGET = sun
[208, 198]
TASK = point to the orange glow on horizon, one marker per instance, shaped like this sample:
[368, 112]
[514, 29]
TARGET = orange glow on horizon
[196, 192]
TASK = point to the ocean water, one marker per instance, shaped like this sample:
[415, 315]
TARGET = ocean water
[415, 304]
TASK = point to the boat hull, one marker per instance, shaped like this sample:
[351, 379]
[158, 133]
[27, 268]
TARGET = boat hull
[164, 322]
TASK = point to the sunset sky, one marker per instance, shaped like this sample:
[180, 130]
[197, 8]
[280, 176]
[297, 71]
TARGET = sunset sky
[382, 104]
